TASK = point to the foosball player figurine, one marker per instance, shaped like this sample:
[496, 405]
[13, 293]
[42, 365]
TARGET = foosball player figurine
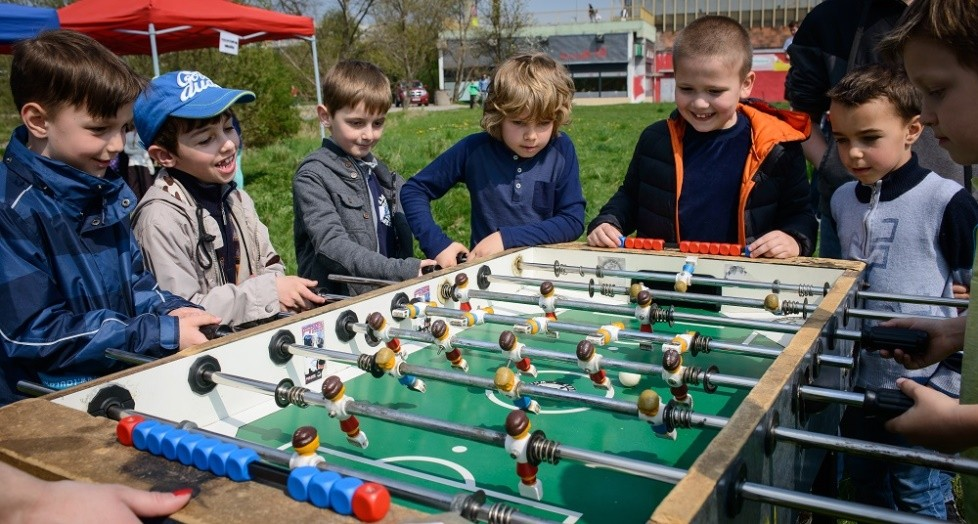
[506, 382]
[643, 309]
[648, 410]
[439, 330]
[517, 439]
[461, 292]
[305, 442]
[590, 361]
[475, 317]
[513, 349]
[606, 334]
[378, 324]
[672, 372]
[684, 278]
[390, 362]
[334, 392]
[548, 299]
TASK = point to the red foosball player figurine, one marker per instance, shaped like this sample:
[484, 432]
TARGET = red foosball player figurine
[673, 369]
[334, 393]
[643, 310]
[390, 362]
[305, 442]
[648, 410]
[517, 438]
[461, 293]
[381, 330]
[506, 382]
[439, 330]
[513, 349]
[590, 361]
[548, 300]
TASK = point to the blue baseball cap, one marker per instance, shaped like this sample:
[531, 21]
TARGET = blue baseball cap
[184, 94]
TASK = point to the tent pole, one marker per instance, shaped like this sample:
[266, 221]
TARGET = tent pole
[319, 86]
[152, 47]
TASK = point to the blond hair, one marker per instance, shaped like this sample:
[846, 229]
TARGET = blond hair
[713, 36]
[532, 85]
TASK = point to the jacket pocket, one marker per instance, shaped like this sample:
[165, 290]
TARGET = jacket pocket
[353, 212]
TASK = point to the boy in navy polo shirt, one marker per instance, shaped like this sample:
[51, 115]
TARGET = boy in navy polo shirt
[521, 172]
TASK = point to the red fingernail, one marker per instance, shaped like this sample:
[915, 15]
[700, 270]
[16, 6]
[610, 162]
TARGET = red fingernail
[183, 491]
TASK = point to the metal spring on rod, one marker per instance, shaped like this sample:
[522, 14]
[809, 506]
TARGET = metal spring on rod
[295, 396]
[701, 344]
[807, 290]
[791, 307]
[542, 449]
[680, 417]
[658, 315]
[365, 362]
[608, 290]
[692, 375]
[500, 513]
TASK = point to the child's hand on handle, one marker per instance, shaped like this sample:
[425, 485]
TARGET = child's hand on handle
[449, 256]
[427, 266]
[605, 235]
[490, 245]
[190, 333]
[297, 294]
[946, 338]
[932, 421]
[775, 244]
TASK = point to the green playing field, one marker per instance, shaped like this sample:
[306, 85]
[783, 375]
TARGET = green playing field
[571, 491]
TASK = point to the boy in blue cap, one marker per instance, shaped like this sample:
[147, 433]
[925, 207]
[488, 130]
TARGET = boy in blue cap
[201, 234]
[72, 282]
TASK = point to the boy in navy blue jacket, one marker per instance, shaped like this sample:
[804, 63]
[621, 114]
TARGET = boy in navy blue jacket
[522, 172]
[72, 282]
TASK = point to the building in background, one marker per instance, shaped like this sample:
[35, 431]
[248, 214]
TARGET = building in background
[628, 53]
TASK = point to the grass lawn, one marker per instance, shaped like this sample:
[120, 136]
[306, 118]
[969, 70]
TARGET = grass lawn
[605, 137]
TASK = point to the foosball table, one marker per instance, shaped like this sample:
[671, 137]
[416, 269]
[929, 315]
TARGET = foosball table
[547, 384]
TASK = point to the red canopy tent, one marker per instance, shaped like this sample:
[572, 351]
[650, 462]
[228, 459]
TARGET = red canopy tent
[151, 27]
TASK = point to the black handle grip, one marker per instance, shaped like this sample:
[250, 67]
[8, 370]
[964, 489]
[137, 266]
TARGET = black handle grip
[913, 341]
[887, 403]
[462, 258]
[430, 269]
[212, 331]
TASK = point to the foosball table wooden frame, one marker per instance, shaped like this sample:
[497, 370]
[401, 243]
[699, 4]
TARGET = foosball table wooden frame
[54, 437]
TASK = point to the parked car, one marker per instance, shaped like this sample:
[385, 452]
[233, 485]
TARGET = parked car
[411, 92]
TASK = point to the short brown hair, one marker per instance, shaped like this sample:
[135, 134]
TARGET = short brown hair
[59, 69]
[714, 36]
[350, 82]
[168, 137]
[531, 83]
[951, 22]
[877, 82]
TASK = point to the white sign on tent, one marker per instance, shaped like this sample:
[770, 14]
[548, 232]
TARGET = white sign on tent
[228, 43]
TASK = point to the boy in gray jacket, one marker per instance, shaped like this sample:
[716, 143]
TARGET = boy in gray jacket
[348, 215]
[200, 234]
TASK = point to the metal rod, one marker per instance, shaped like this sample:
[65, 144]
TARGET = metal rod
[348, 279]
[128, 356]
[33, 388]
[776, 287]
[912, 299]
[828, 506]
